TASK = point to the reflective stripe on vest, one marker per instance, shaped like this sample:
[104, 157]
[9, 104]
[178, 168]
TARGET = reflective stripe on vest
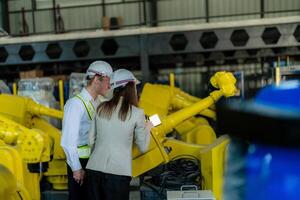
[88, 106]
[84, 151]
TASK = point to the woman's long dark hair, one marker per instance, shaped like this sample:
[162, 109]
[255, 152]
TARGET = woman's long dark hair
[128, 92]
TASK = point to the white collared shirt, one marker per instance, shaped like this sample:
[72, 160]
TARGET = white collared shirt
[75, 127]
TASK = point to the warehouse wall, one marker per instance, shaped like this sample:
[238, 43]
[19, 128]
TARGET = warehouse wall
[195, 80]
[88, 14]
[277, 5]
[176, 9]
[234, 7]
[196, 8]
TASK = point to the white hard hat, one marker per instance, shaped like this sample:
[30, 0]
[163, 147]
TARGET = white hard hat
[121, 77]
[99, 68]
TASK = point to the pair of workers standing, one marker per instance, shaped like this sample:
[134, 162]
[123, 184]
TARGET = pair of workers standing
[97, 137]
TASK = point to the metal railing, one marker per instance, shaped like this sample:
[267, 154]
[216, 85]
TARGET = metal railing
[147, 15]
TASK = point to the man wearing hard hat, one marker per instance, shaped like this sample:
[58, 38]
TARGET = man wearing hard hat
[79, 111]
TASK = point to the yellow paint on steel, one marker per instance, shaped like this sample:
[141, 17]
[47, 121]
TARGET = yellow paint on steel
[172, 80]
[15, 91]
[61, 94]
[35, 140]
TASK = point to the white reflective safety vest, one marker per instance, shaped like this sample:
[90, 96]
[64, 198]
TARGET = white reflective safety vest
[84, 151]
[88, 106]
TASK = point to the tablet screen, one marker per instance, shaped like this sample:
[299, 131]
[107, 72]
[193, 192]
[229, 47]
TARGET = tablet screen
[155, 120]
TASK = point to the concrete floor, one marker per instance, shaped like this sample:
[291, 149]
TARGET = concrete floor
[134, 191]
[135, 195]
[63, 195]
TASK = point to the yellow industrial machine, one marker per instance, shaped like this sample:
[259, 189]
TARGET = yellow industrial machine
[29, 148]
[195, 130]
[163, 149]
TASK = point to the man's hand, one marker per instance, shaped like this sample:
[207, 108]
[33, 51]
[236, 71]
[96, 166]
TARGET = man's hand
[79, 176]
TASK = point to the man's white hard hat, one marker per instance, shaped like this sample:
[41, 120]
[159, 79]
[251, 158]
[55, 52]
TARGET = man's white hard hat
[121, 77]
[99, 68]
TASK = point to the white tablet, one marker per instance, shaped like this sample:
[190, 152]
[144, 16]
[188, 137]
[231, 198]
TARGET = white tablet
[155, 120]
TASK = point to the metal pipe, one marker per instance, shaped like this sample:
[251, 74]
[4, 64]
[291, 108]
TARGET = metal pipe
[103, 8]
[5, 15]
[277, 72]
[144, 59]
[153, 13]
[207, 11]
[145, 12]
[23, 21]
[140, 14]
[54, 15]
[172, 80]
[61, 94]
[262, 8]
[33, 8]
[15, 92]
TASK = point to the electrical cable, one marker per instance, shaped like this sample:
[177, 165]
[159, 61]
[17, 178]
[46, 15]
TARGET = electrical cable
[181, 170]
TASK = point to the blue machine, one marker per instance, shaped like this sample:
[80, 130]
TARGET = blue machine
[264, 155]
[273, 172]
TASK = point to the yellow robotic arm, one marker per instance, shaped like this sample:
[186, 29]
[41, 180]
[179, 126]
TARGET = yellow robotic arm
[36, 140]
[167, 98]
[33, 145]
[21, 147]
[28, 114]
[163, 149]
[223, 80]
[21, 109]
[160, 99]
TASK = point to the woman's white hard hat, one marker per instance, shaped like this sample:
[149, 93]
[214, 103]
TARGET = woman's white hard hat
[121, 77]
[99, 68]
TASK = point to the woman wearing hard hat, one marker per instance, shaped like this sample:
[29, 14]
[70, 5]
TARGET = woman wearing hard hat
[117, 122]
